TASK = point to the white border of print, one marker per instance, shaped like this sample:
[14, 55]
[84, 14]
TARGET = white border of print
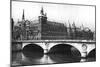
[5, 33]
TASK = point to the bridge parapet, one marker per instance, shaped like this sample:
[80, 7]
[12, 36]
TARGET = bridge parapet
[48, 41]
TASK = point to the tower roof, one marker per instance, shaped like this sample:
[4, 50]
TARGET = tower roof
[23, 17]
[42, 11]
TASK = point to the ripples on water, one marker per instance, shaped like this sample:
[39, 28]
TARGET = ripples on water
[30, 58]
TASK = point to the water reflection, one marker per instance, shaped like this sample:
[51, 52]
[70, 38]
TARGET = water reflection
[62, 58]
[29, 58]
[32, 55]
[83, 60]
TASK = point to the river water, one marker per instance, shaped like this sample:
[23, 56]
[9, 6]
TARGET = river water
[25, 59]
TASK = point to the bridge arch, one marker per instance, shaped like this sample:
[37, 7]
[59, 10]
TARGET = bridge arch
[65, 48]
[38, 44]
[92, 53]
[35, 48]
[77, 46]
[33, 51]
[90, 48]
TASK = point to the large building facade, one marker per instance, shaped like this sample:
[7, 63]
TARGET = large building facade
[48, 30]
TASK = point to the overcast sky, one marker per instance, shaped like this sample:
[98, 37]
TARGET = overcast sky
[56, 12]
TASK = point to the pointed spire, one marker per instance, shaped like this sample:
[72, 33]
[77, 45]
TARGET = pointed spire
[73, 24]
[69, 25]
[23, 17]
[69, 30]
[12, 23]
[42, 11]
[82, 27]
[65, 24]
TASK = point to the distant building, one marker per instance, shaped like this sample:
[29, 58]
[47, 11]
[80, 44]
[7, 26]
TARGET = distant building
[26, 30]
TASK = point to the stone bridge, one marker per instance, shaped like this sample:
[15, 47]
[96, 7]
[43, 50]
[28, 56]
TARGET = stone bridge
[83, 46]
